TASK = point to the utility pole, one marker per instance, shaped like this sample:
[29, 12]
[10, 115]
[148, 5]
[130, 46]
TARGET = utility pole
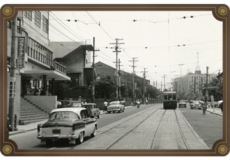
[116, 50]
[144, 90]
[119, 78]
[13, 75]
[134, 60]
[93, 81]
[164, 81]
[207, 82]
[161, 93]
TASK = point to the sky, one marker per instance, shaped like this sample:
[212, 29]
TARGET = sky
[163, 42]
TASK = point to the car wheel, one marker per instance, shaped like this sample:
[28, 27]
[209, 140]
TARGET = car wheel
[120, 111]
[48, 142]
[94, 132]
[80, 138]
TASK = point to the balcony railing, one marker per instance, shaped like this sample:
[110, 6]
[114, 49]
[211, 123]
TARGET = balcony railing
[59, 67]
[46, 61]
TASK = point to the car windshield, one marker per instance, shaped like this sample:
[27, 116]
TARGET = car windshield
[63, 115]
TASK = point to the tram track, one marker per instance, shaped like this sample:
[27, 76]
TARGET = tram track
[133, 129]
[112, 126]
[181, 132]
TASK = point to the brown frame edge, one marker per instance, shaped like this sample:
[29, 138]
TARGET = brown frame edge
[220, 148]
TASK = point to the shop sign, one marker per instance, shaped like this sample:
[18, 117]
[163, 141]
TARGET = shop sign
[21, 52]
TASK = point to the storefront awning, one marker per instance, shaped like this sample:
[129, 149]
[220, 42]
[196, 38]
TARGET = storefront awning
[50, 74]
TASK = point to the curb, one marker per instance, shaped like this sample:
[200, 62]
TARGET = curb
[22, 131]
[215, 113]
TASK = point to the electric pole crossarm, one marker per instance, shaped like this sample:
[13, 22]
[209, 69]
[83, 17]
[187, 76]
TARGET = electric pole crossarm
[117, 78]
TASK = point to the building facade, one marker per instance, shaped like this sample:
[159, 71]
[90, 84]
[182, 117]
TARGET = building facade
[191, 85]
[35, 69]
[125, 80]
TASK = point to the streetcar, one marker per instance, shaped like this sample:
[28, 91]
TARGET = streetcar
[170, 100]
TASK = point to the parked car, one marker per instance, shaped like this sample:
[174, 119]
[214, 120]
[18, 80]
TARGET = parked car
[92, 109]
[72, 124]
[69, 103]
[115, 106]
[196, 104]
[182, 103]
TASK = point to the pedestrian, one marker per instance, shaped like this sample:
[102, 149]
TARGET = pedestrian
[146, 101]
[221, 107]
[105, 105]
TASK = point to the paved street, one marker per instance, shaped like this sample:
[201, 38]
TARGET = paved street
[209, 127]
[149, 127]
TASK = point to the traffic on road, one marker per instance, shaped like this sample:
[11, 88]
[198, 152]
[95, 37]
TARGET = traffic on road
[148, 127]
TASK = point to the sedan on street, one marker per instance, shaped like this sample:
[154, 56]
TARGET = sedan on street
[196, 105]
[72, 124]
[182, 103]
[115, 106]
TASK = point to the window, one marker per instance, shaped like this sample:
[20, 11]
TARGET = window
[39, 52]
[37, 18]
[84, 114]
[63, 115]
[28, 14]
[45, 24]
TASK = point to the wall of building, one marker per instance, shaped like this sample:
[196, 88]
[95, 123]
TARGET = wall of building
[33, 30]
[75, 62]
[102, 69]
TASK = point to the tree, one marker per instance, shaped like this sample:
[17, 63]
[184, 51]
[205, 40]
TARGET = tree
[105, 87]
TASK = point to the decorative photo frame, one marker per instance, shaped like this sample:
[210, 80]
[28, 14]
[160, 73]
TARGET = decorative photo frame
[10, 89]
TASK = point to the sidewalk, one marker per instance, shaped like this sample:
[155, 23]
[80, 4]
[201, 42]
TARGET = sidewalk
[33, 126]
[216, 111]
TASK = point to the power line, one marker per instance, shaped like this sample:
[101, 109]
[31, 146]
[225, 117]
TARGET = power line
[67, 28]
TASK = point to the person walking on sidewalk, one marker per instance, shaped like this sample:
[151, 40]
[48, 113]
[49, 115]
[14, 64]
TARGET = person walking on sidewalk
[105, 105]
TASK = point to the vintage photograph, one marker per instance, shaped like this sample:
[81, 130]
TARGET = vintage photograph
[115, 80]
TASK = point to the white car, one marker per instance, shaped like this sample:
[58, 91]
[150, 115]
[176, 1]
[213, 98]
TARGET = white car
[115, 106]
[196, 104]
[72, 124]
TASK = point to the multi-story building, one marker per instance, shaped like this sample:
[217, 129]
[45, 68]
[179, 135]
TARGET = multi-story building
[77, 62]
[192, 83]
[35, 71]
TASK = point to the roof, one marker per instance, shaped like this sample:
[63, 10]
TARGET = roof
[61, 49]
[76, 110]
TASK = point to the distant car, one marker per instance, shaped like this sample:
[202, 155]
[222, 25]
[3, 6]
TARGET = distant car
[72, 124]
[196, 105]
[182, 103]
[92, 109]
[70, 104]
[115, 106]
